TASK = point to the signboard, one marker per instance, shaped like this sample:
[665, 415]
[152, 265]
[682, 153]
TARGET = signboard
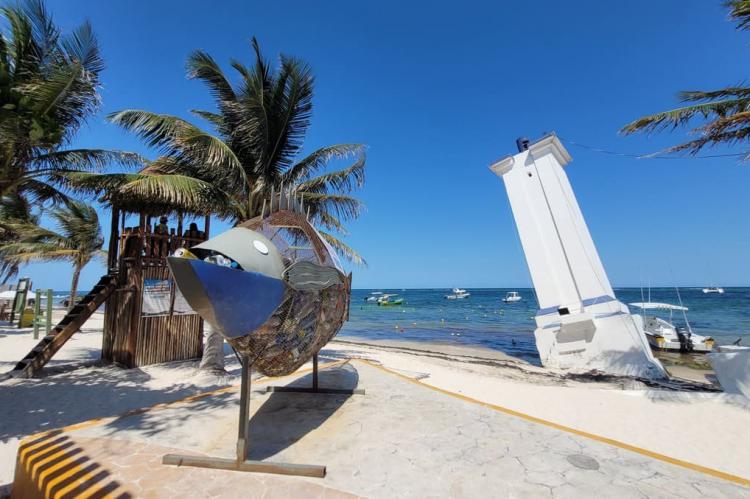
[157, 299]
[19, 302]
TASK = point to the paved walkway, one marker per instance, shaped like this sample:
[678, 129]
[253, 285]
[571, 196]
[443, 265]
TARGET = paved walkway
[400, 439]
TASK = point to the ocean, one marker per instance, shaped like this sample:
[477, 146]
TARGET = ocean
[483, 320]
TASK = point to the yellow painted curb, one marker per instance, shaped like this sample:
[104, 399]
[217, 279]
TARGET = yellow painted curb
[616, 443]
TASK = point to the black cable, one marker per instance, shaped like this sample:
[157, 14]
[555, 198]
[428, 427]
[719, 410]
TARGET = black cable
[649, 156]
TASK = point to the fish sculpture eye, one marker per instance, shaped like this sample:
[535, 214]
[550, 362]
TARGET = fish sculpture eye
[261, 247]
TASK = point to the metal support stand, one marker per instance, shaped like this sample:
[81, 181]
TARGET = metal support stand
[241, 463]
[315, 388]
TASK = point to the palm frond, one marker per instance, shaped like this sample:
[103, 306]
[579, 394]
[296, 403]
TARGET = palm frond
[343, 250]
[319, 159]
[82, 47]
[189, 193]
[38, 192]
[93, 183]
[157, 130]
[681, 116]
[342, 206]
[339, 181]
[292, 101]
[85, 159]
[202, 66]
[740, 12]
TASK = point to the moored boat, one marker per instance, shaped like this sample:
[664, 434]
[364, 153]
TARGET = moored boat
[389, 300]
[457, 294]
[512, 296]
[713, 289]
[664, 335]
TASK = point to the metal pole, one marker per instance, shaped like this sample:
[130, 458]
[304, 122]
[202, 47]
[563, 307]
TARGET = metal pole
[243, 433]
[37, 312]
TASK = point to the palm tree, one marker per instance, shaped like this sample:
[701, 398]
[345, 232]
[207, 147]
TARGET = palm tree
[49, 84]
[78, 240]
[259, 125]
[725, 112]
[14, 210]
[258, 128]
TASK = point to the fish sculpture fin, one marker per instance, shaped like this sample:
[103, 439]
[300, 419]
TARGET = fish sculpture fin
[308, 276]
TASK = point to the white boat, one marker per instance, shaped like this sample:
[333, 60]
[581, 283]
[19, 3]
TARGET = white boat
[731, 363]
[580, 325]
[458, 294]
[374, 296]
[714, 289]
[511, 297]
[664, 335]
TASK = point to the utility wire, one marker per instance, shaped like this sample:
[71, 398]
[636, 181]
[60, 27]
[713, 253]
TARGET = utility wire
[654, 155]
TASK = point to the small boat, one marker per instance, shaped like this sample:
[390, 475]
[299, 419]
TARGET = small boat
[512, 296]
[663, 335]
[374, 296]
[388, 300]
[713, 289]
[731, 363]
[457, 294]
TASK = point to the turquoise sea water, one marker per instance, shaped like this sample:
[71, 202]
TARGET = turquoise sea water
[484, 320]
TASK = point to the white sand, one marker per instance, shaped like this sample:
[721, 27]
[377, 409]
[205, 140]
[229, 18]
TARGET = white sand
[706, 429]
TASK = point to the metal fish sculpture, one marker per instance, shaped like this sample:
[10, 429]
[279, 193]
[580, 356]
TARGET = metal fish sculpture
[272, 286]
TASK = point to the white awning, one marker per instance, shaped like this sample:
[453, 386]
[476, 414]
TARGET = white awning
[7, 295]
[657, 306]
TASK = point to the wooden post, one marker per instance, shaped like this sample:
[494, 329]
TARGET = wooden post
[179, 224]
[48, 325]
[37, 312]
[114, 239]
[207, 226]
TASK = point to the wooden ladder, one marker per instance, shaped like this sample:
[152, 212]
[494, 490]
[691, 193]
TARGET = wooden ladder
[72, 322]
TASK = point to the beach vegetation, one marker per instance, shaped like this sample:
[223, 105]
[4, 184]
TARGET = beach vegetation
[77, 239]
[250, 148]
[49, 87]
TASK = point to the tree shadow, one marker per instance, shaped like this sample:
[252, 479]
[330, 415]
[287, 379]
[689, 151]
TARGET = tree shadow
[29, 406]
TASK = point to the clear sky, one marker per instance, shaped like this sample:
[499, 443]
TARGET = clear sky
[438, 90]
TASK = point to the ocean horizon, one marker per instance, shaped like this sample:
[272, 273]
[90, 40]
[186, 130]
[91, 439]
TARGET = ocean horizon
[484, 321]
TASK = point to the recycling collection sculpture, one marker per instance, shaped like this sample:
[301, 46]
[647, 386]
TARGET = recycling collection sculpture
[272, 286]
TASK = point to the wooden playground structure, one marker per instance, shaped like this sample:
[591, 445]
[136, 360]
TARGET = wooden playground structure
[136, 332]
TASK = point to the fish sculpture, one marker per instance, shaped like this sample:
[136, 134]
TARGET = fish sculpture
[272, 286]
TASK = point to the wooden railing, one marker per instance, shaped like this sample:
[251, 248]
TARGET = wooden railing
[152, 247]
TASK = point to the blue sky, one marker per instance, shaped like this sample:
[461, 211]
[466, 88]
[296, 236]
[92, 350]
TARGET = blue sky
[438, 91]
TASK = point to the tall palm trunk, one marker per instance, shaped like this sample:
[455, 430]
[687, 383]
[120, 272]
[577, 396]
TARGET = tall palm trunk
[213, 350]
[74, 285]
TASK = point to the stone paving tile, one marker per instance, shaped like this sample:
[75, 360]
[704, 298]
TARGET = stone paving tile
[398, 440]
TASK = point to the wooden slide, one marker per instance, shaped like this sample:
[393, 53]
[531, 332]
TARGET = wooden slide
[72, 322]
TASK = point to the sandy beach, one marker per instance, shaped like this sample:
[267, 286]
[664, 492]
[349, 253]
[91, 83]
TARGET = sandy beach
[76, 387]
